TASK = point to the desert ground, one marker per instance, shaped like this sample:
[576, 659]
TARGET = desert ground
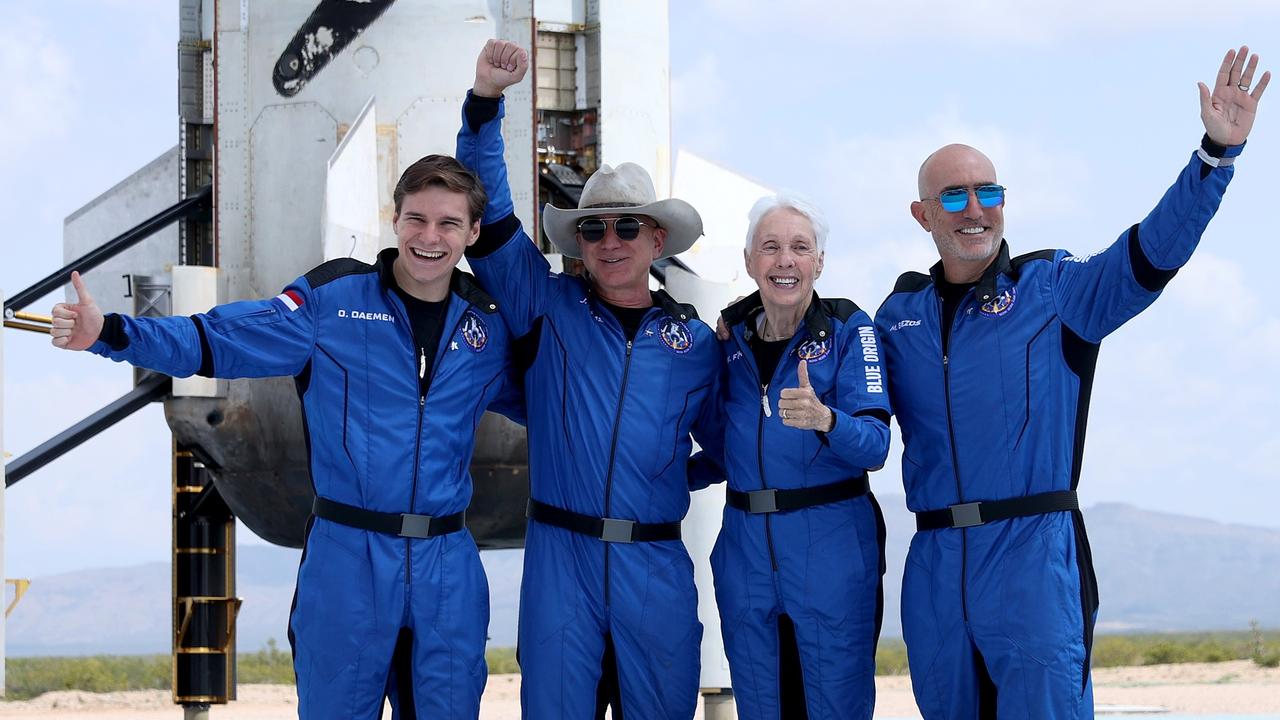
[1239, 687]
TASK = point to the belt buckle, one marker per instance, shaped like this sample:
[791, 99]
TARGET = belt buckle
[966, 515]
[762, 501]
[618, 531]
[415, 526]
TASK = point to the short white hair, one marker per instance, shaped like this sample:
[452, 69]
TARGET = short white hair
[787, 201]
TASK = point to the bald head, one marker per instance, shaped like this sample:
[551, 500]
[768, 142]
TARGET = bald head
[944, 165]
[968, 238]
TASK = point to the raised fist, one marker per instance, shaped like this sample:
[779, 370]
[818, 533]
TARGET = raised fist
[501, 64]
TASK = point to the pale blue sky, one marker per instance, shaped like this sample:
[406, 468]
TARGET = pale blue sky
[1088, 110]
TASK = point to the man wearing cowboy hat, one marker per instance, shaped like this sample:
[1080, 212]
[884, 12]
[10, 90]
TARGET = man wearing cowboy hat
[617, 378]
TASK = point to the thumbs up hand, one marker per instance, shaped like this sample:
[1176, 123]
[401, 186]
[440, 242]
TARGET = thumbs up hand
[76, 327]
[799, 407]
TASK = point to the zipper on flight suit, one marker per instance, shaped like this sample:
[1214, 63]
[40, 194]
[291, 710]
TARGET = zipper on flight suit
[417, 443]
[955, 458]
[613, 449]
[764, 413]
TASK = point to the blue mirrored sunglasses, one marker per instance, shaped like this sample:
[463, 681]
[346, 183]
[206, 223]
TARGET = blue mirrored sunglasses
[957, 199]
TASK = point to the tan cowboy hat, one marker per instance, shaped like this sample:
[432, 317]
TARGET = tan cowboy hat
[624, 189]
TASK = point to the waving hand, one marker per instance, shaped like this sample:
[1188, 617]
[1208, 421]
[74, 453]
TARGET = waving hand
[1228, 112]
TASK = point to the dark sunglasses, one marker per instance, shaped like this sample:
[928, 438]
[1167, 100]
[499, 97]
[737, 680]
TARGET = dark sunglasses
[626, 228]
[957, 199]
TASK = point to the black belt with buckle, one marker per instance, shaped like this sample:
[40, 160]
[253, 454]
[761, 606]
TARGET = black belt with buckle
[402, 524]
[972, 514]
[607, 529]
[774, 500]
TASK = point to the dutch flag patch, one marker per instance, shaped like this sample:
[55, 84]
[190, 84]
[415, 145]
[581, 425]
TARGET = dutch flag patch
[292, 299]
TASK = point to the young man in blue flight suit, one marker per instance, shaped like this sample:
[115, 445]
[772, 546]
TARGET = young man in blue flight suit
[617, 378]
[395, 364]
[992, 361]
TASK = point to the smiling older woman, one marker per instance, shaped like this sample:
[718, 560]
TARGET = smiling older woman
[799, 560]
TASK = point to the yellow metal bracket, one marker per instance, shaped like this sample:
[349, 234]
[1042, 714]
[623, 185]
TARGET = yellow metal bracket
[20, 587]
[188, 609]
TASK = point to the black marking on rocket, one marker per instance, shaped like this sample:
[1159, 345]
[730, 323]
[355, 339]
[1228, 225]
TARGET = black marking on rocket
[330, 28]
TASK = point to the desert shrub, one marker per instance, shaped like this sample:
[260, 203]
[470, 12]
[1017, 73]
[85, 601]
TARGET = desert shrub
[501, 661]
[891, 657]
[26, 678]
[30, 677]
[1158, 649]
[270, 665]
[1258, 647]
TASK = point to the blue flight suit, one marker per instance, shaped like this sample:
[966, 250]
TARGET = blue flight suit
[999, 617]
[820, 566]
[375, 443]
[609, 436]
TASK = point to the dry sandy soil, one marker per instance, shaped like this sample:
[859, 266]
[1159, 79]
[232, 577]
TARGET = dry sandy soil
[1218, 688]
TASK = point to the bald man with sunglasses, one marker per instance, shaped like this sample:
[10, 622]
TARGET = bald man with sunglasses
[993, 358]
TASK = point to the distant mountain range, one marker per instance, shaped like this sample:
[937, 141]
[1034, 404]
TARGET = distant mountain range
[1157, 572]
[125, 610]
